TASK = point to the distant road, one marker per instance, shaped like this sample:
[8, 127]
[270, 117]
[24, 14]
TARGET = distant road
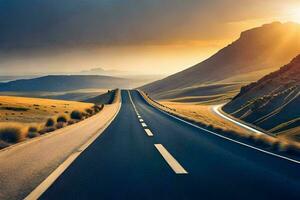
[146, 154]
[216, 110]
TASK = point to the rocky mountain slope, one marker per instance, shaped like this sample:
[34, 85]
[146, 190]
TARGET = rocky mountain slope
[256, 53]
[271, 103]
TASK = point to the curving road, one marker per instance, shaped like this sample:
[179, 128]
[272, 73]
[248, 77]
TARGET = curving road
[156, 156]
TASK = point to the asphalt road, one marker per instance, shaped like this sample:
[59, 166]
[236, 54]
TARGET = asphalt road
[178, 162]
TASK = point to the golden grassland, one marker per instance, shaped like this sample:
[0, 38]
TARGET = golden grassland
[22, 117]
[285, 141]
[35, 110]
[291, 134]
[203, 114]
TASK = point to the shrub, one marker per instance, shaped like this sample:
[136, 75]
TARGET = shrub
[47, 130]
[17, 109]
[10, 134]
[32, 134]
[76, 114]
[33, 129]
[292, 150]
[62, 119]
[98, 108]
[60, 125]
[71, 121]
[50, 122]
[84, 115]
[89, 111]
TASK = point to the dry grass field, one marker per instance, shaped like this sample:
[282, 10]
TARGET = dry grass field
[22, 117]
[203, 113]
[71, 95]
[35, 110]
[291, 134]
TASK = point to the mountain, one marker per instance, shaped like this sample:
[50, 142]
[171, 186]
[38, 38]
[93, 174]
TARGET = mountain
[271, 103]
[58, 83]
[106, 98]
[256, 53]
[103, 72]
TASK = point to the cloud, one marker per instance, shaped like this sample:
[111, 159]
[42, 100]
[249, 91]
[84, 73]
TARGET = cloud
[39, 35]
[69, 23]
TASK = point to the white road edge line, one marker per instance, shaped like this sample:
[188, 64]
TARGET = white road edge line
[172, 162]
[224, 137]
[40, 189]
[149, 133]
[216, 110]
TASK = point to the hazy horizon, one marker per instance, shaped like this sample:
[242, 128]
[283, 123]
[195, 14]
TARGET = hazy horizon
[149, 37]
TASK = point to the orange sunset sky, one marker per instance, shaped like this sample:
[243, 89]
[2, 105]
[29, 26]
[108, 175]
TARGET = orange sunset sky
[142, 37]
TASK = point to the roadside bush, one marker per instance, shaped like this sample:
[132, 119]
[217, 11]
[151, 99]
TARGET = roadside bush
[71, 121]
[32, 132]
[76, 114]
[47, 130]
[10, 134]
[60, 125]
[292, 150]
[84, 115]
[50, 122]
[98, 108]
[62, 119]
[33, 129]
[89, 111]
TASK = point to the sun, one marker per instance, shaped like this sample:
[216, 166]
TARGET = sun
[295, 15]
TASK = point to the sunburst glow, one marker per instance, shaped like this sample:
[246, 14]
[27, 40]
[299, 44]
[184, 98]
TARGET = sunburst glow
[295, 15]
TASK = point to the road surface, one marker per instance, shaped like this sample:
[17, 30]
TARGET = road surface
[216, 110]
[146, 154]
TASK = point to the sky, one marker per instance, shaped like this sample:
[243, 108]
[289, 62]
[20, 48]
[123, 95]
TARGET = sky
[140, 36]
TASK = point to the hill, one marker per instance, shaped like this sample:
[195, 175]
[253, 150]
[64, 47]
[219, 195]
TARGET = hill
[59, 83]
[105, 98]
[271, 103]
[256, 53]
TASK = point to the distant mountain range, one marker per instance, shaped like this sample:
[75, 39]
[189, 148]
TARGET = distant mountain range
[57, 83]
[273, 102]
[103, 72]
[256, 53]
